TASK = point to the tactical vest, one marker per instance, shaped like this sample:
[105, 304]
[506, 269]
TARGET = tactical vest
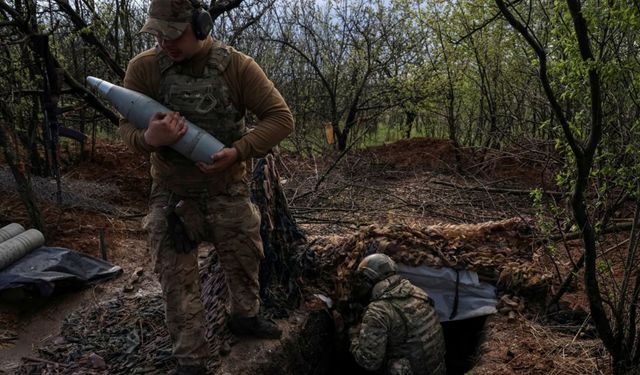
[205, 100]
[421, 340]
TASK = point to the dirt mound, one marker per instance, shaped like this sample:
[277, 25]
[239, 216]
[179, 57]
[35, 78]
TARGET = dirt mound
[535, 166]
[115, 163]
[415, 153]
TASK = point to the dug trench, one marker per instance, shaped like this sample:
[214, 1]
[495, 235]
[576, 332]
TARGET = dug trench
[462, 339]
[318, 349]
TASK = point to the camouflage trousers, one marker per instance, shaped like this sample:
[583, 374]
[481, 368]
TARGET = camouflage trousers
[400, 366]
[232, 225]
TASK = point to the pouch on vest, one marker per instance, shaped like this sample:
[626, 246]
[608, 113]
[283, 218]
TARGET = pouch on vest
[178, 232]
[193, 219]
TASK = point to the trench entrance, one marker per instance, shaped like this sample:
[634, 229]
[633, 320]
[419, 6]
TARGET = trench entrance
[462, 338]
[456, 293]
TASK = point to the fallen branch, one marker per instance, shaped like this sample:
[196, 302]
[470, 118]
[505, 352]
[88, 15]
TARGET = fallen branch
[35, 359]
[313, 209]
[578, 265]
[577, 235]
[496, 190]
[316, 220]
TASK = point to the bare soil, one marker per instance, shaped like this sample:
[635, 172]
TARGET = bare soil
[414, 182]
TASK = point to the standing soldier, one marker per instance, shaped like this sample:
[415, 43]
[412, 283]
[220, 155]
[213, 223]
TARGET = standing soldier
[212, 85]
[400, 333]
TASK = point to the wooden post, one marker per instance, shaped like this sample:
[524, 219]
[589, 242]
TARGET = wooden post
[103, 246]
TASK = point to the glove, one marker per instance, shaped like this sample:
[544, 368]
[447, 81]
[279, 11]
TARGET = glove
[178, 233]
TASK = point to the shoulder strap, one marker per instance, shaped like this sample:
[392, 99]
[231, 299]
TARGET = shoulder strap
[163, 60]
[219, 57]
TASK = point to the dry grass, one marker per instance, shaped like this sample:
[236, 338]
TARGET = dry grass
[519, 345]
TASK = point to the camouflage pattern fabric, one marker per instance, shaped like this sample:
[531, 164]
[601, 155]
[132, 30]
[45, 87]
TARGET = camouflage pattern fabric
[232, 224]
[179, 279]
[401, 366]
[400, 326]
[204, 100]
[279, 231]
[168, 18]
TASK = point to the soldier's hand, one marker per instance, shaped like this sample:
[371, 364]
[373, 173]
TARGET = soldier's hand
[165, 129]
[354, 331]
[222, 160]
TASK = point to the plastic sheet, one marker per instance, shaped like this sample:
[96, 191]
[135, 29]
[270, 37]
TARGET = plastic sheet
[475, 298]
[47, 270]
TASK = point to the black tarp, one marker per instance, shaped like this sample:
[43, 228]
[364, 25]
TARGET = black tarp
[48, 270]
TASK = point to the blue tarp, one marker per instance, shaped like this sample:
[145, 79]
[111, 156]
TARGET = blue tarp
[47, 270]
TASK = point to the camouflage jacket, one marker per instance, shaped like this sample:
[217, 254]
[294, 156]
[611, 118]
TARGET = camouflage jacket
[400, 325]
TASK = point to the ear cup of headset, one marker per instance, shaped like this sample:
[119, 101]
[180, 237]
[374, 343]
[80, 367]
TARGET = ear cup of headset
[202, 23]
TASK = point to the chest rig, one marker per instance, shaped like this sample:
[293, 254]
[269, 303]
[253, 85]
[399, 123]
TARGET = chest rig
[203, 99]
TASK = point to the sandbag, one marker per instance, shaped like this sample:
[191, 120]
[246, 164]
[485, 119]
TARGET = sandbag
[17, 247]
[10, 231]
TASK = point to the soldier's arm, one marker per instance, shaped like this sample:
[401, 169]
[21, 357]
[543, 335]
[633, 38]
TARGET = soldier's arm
[253, 91]
[369, 346]
[140, 76]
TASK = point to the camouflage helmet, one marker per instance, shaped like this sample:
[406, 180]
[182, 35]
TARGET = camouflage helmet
[377, 267]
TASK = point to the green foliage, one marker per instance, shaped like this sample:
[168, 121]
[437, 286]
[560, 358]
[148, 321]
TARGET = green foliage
[593, 94]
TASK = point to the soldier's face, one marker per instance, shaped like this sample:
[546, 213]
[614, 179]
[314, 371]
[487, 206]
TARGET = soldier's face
[183, 47]
[361, 289]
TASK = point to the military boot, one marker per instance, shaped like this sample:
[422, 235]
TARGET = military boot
[190, 370]
[254, 326]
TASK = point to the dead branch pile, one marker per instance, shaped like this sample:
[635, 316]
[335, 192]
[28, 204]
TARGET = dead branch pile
[532, 347]
[499, 251]
[121, 336]
[7, 335]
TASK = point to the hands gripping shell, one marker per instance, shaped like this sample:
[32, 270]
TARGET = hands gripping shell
[196, 144]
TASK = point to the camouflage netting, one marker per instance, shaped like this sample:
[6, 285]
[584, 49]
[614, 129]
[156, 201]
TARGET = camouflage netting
[128, 335]
[73, 193]
[501, 252]
[280, 237]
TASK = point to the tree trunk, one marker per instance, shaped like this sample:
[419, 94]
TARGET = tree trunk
[22, 182]
[409, 120]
